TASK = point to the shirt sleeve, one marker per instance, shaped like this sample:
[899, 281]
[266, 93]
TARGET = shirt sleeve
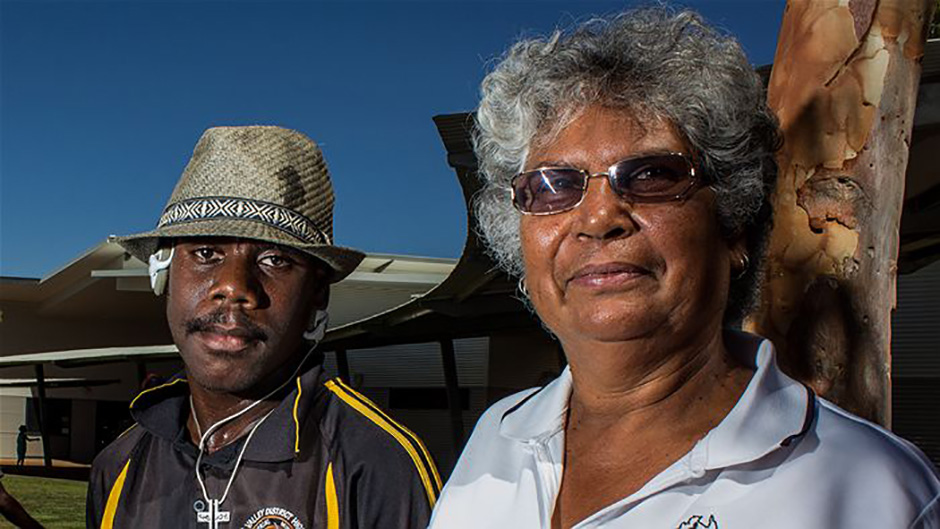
[397, 494]
[94, 499]
[108, 468]
[384, 475]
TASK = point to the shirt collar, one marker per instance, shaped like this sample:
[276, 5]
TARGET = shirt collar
[540, 414]
[772, 411]
[159, 409]
[278, 438]
[162, 411]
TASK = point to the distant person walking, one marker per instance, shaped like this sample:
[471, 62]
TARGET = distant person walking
[12, 510]
[21, 440]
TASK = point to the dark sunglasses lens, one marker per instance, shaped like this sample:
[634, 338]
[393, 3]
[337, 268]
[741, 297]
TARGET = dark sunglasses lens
[652, 177]
[547, 190]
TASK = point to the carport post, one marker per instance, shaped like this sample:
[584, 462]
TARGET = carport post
[41, 413]
[342, 365]
[453, 392]
[141, 373]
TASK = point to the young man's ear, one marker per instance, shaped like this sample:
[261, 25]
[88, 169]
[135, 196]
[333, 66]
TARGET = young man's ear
[159, 269]
[319, 318]
[322, 296]
[321, 288]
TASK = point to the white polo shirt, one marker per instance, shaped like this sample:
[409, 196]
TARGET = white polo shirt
[781, 459]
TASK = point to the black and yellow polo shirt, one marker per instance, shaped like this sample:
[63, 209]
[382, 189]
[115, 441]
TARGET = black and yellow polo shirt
[327, 457]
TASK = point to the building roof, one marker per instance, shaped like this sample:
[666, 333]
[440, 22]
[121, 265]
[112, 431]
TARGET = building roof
[80, 357]
[106, 282]
[99, 307]
[73, 382]
[476, 299]
[402, 299]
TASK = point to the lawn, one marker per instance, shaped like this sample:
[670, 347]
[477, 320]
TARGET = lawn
[55, 503]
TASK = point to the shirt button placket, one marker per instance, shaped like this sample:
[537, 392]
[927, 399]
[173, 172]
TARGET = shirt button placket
[548, 480]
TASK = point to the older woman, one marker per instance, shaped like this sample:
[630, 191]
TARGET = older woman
[628, 166]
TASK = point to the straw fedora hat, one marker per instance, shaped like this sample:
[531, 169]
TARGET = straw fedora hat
[260, 182]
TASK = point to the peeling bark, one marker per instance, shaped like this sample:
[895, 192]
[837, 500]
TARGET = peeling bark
[844, 86]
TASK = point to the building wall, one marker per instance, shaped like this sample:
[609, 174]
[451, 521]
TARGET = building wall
[12, 415]
[915, 352]
[522, 360]
[82, 442]
[27, 329]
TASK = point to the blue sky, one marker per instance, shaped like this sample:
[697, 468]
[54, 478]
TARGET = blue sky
[101, 104]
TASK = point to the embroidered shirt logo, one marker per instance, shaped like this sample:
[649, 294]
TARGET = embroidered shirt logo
[699, 522]
[273, 518]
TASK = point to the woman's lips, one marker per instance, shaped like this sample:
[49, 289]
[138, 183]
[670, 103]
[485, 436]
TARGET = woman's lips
[607, 275]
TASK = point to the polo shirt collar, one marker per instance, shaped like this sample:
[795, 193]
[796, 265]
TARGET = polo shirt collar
[160, 409]
[278, 438]
[773, 410]
[541, 414]
[163, 411]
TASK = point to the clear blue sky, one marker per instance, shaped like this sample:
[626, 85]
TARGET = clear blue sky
[101, 104]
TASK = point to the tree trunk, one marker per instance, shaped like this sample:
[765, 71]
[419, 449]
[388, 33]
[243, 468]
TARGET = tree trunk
[844, 86]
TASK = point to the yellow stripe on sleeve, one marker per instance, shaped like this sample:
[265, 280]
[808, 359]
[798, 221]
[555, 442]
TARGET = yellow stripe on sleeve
[114, 497]
[332, 502]
[406, 431]
[391, 430]
[296, 422]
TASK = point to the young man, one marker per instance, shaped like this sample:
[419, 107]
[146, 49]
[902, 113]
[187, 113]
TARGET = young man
[254, 435]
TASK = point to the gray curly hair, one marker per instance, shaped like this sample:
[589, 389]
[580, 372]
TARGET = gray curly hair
[656, 64]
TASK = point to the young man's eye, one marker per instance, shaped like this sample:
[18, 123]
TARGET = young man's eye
[205, 254]
[275, 261]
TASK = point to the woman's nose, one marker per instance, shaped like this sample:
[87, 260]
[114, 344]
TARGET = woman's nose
[602, 214]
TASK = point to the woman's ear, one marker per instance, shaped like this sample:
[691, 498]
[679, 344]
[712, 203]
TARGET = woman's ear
[739, 260]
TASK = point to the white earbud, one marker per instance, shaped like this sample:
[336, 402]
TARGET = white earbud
[320, 321]
[159, 269]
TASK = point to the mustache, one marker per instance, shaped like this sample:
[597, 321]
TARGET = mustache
[211, 322]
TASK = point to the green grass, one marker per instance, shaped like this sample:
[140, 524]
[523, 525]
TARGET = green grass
[55, 503]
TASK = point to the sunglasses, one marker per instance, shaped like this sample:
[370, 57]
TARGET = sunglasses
[643, 179]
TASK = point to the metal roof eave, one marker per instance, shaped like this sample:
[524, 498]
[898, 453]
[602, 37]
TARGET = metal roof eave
[83, 357]
[57, 383]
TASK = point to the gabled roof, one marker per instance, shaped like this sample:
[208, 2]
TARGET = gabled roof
[101, 307]
[476, 299]
[106, 282]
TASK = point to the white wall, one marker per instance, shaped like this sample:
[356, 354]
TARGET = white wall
[12, 415]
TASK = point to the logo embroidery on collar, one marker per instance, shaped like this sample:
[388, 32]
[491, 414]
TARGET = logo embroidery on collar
[698, 522]
[273, 518]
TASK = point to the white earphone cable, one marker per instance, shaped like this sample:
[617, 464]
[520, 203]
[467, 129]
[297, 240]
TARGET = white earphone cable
[204, 436]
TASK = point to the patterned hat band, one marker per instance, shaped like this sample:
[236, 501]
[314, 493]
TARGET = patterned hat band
[211, 208]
